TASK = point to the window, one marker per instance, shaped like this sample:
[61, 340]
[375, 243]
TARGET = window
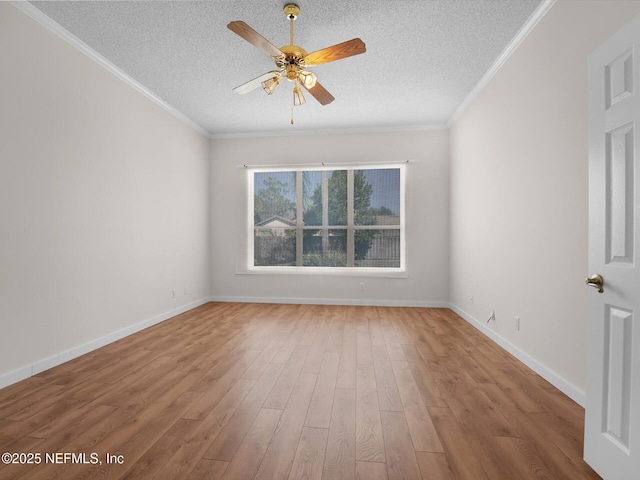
[326, 219]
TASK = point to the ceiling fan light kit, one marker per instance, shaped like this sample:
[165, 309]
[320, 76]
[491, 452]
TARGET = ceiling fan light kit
[270, 84]
[292, 61]
[298, 97]
[308, 79]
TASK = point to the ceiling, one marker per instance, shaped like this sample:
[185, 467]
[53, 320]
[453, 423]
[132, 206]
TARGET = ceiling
[423, 57]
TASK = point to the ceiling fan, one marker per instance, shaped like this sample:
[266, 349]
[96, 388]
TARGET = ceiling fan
[292, 61]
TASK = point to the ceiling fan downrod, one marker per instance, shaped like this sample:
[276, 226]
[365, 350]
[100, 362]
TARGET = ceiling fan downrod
[291, 10]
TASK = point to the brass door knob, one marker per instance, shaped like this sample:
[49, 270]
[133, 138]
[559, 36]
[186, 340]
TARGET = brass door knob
[596, 281]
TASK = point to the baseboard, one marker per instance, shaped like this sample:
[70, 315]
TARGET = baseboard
[332, 301]
[9, 378]
[15, 376]
[570, 390]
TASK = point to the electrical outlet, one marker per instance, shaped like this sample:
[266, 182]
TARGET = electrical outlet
[471, 299]
[173, 294]
[517, 323]
[362, 287]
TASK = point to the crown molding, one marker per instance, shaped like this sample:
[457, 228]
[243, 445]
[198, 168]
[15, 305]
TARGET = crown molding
[333, 131]
[533, 20]
[57, 29]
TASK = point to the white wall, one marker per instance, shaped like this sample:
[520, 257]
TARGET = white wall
[426, 210]
[519, 190]
[104, 203]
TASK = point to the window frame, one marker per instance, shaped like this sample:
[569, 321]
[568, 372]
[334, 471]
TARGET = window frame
[350, 227]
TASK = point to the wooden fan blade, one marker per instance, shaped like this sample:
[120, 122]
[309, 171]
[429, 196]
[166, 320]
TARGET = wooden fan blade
[320, 93]
[255, 83]
[254, 38]
[336, 52]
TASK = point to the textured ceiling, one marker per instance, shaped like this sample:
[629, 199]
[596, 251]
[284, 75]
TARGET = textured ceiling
[423, 56]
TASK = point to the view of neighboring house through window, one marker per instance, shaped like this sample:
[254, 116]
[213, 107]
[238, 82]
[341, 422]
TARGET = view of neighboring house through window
[328, 218]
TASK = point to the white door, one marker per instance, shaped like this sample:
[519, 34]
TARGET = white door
[612, 424]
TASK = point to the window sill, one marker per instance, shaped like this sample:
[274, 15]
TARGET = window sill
[327, 271]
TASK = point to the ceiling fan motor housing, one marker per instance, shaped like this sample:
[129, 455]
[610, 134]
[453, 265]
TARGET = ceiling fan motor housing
[293, 60]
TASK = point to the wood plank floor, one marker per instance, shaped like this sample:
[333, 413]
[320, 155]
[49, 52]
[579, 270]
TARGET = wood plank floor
[242, 391]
